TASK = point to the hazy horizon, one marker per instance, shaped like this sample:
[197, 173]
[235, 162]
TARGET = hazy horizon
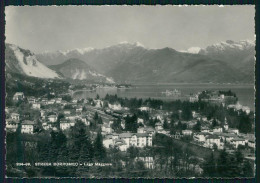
[53, 28]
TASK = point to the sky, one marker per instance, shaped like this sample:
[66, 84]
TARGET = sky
[52, 28]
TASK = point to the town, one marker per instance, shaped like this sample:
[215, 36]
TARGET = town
[212, 121]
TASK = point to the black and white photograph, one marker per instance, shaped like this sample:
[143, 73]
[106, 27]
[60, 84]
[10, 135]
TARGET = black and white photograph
[130, 91]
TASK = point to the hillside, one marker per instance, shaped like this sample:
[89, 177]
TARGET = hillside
[239, 54]
[78, 69]
[226, 62]
[21, 61]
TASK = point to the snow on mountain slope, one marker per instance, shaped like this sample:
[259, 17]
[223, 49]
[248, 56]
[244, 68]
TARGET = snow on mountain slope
[193, 50]
[28, 64]
[229, 45]
[78, 69]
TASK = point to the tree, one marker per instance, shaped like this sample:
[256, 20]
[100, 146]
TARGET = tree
[197, 127]
[245, 124]
[186, 112]
[100, 121]
[239, 157]
[131, 123]
[165, 124]
[223, 163]
[215, 147]
[214, 123]
[99, 149]
[248, 169]
[133, 152]
[116, 125]
[67, 98]
[95, 118]
[60, 116]
[97, 97]
[86, 156]
[140, 170]
[209, 167]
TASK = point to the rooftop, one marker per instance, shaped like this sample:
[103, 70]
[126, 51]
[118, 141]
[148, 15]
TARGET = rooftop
[28, 122]
[142, 134]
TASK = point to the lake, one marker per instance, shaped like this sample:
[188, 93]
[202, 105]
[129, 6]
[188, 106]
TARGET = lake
[245, 93]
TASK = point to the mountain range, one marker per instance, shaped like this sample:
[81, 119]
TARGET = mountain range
[24, 62]
[77, 69]
[225, 62]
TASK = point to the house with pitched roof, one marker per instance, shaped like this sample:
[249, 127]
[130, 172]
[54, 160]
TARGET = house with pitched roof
[18, 96]
[238, 141]
[28, 126]
[11, 125]
[213, 139]
[15, 116]
[66, 124]
[52, 118]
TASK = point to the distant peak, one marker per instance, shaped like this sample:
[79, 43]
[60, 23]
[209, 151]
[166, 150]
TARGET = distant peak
[193, 50]
[79, 50]
[138, 44]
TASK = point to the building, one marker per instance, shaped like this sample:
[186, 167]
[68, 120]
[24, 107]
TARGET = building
[233, 130]
[251, 143]
[98, 103]
[46, 125]
[140, 120]
[186, 132]
[158, 126]
[191, 124]
[238, 141]
[36, 106]
[116, 106]
[148, 130]
[51, 102]
[58, 100]
[147, 160]
[52, 118]
[28, 127]
[11, 125]
[18, 96]
[238, 107]
[74, 101]
[106, 129]
[177, 135]
[213, 139]
[31, 100]
[121, 144]
[217, 129]
[200, 137]
[205, 129]
[63, 103]
[79, 110]
[64, 124]
[15, 116]
[108, 141]
[143, 139]
[165, 132]
[194, 98]
[124, 140]
[144, 108]
[42, 113]
[66, 112]
[44, 101]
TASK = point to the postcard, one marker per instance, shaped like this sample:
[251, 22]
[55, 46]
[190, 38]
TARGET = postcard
[130, 91]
